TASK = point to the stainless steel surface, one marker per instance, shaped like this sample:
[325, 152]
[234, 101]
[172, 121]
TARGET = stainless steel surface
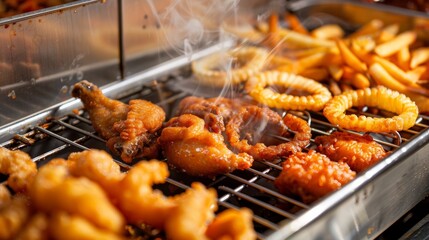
[360, 210]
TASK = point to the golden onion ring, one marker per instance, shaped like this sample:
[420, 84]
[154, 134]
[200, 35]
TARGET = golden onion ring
[380, 97]
[250, 59]
[257, 87]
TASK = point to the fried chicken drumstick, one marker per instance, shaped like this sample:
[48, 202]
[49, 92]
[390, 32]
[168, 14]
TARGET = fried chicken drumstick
[190, 146]
[130, 130]
[359, 152]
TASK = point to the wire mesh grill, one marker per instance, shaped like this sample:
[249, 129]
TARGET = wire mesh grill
[252, 188]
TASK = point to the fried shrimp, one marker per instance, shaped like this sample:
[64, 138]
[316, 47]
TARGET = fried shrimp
[233, 67]
[189, 145]
[195, 208]
[232, 224]
[20, 168]
[65, 226]
[312, 175]
[138, 201]
[257, 88]
[379, 97]
[359, 152]
[55, 190]
[130, 129]
[270, 123]
[98, 166]
[13, 216]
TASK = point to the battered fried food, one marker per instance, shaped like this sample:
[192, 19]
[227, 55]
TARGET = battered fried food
[130, 130]
[258, 88]
[20, 168]
[71, 227]
[190, 146]
[216, 112]
[312, 175]
[195, 208]
[380, 97]
[138, 201]
[5, 196]
[54, 190]
[232, 224]
[98, 166]
[35, 229]
[13, 216]
[359, 152]
[269, 123]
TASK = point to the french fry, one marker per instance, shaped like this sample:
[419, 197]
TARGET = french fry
[349, 57]
[345, 87]
[300, 53]
[416, 73]
[395, 71]
[388, 33]
[370, 28]
[363, 44]
[300, 65]
[360, 81]
[419, 56]
[295, 24]
[391, 47]
[382, 77]
[334, 88]
[329, 31]
[336, 72]
[317, 74]
[403, 58]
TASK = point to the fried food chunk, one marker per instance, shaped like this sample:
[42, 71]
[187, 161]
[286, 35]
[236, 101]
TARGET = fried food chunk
[5, 195]
[232, 224]
[268, 123]
[190, 146]
[13, 216]
[20, 168]
[98, 166]
[216, 112]
[195, 208]
[138, 201]
[312, 175]
[35, 229]
[70, 227]
[54, 190]
[130, 130]
[359, 152]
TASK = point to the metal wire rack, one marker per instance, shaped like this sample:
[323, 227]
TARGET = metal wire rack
[252, 188]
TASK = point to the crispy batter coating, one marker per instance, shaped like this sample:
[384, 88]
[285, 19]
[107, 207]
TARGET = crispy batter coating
[195, 208]
[5, 195]
[312, 175]
[232, 224]
[98, 166]
[216, 112]
[188, 145]
[381, 97]
[13, 216]
[257, 87]
[269, 123]
[71, 227]
[232, 67]
[55, 190]
[130, 130]
[20, 168]
[138, 201]
[359, 152]
[35, 229]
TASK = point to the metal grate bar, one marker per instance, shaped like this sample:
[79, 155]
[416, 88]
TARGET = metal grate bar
[90, 134]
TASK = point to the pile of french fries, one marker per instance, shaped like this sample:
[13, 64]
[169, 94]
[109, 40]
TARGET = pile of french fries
[375, 54]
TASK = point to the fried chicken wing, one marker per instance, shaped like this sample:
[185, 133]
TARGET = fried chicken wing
[190, 146]
[359, 152]
[312, 175]
[216, 112]
[195, 208]
[20, 168]
[130, 130]
[232, 224]
[54, 190]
